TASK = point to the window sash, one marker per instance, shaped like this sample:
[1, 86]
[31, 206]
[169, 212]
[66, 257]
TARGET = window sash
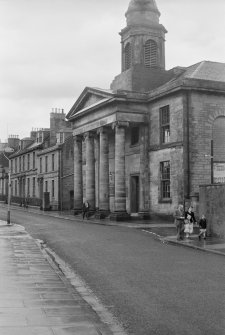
[165, 179]
[165, 124]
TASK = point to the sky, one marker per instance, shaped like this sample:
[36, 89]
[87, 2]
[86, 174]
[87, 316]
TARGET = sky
[52, 49]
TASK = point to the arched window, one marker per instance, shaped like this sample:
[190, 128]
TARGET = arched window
[219, 139]
[218, 154]
[150, 54]
[127, 54]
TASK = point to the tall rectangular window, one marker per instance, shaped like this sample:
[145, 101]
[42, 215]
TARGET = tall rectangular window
[28, 187]
[33, 160]
[61, 137]
[28, 162]
[46, 163]
[11, 162]
[46, 186]
[12, 184]
[134, 135]
[15, 187]
[40, 164]
[165, 124]
[53, 162]
[165, 179]
[53, 188]
[19, 164]
[23, 163]
[33, 192]
[16, 165]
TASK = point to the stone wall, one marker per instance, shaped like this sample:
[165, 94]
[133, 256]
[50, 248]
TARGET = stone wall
[204, 109]
[212, 204]
[172, 151]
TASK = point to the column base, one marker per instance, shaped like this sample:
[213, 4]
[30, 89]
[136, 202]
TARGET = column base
[101, 214]
[119, 216]
[144, 215]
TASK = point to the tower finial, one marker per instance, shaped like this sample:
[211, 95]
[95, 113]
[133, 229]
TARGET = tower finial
[142, 11]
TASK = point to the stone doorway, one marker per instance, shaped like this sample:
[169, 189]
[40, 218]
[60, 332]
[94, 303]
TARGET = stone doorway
[134, 194]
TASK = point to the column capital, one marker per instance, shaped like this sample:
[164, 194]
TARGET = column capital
[120, 124]
[89, 134]
[102, 130]
[77, 138]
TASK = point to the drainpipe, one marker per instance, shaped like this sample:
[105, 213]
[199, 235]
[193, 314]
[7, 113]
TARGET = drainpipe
[60, 180]
[186, 147]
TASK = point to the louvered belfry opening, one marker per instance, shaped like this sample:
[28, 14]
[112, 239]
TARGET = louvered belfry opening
[127, 56]
[150, 54]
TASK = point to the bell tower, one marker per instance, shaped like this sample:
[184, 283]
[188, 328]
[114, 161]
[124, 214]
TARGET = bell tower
[142, 48]
[143, 39]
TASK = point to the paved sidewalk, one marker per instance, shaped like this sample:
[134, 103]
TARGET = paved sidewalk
[37, 299]
[167, 234]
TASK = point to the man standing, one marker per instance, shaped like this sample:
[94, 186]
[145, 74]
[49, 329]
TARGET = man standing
[179, 221]
[85, 209]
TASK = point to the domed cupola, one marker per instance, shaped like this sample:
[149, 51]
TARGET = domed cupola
[143, 38]
[142, 12]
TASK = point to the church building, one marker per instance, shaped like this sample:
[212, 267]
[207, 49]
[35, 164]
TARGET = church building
[147, 143]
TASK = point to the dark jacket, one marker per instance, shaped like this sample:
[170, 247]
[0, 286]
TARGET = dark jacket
[202, 224]
[86, 207]
[192, 216]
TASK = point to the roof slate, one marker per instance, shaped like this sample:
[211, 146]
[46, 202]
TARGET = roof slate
[206, 70]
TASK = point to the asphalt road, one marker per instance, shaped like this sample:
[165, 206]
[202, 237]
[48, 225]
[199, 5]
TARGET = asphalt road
[152, 288]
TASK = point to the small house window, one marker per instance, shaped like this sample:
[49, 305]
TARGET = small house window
[40, 164]
[28, 162]
[53, 188]
[33, 160]
[53, 162]
[33, 187]
[46, 163]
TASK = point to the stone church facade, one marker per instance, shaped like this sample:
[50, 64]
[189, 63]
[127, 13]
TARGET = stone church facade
[147, 143]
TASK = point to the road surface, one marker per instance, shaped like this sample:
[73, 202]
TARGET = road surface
[151, 288]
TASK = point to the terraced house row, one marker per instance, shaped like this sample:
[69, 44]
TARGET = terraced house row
[138, 148]
[42, 166]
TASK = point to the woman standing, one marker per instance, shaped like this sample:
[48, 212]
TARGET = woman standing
[189, 221]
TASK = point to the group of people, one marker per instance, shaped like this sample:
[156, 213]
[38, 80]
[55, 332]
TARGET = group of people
[185, 220]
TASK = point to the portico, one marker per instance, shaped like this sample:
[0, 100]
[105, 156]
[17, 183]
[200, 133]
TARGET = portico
[101, 175]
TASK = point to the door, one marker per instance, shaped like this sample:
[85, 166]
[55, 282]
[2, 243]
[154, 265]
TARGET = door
[134, 194]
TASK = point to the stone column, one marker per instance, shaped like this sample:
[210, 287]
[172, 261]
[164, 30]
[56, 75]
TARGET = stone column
[104, 172]
[144, 171]
[90, 170]
[97, 150]
[120, 174]
[78, 184]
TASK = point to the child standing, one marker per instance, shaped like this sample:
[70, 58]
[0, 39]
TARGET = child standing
[202, 227]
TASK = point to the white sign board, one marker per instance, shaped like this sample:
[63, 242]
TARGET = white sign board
[218, 173]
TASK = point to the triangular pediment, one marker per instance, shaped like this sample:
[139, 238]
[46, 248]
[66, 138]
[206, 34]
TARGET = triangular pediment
[90, 97]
